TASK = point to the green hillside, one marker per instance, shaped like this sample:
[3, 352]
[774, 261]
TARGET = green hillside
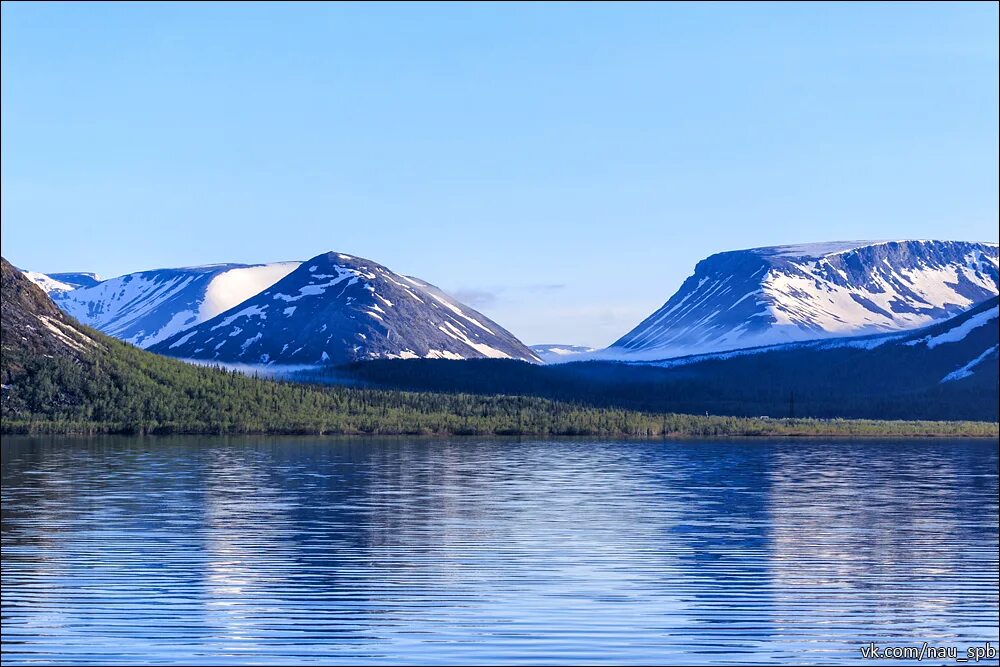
[61, 377]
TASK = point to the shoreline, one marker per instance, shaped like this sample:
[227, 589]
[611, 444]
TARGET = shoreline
[848, 430]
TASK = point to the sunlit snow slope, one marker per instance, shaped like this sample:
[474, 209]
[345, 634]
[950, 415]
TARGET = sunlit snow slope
[767, 296]
[144, 308]
[49, 283]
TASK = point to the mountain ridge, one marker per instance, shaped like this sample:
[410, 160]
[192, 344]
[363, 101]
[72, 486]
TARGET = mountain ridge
[337, 307]
[775, 294]
[145, 307]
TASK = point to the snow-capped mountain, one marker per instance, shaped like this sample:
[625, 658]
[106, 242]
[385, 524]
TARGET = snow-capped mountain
[337, 308]
[61, 282]
[554, 352]
[781, 294]
[78, 279]
[948, 370]
[146, 307]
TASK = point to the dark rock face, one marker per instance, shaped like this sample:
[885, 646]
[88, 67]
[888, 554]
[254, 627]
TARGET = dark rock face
[782, 294]
[32, 325]
[336, 308]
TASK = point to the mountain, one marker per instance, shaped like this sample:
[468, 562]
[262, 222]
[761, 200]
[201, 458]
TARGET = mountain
[62, 377]
[48, 284]
[77, 280]
[781, 294]
[336, 308]
[948, 370]
[146, 307]
[554, 352]
[62, 282]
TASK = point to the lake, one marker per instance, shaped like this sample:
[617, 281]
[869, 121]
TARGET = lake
[282, 550]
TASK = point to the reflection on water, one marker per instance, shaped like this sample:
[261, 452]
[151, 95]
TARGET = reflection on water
[216, 550]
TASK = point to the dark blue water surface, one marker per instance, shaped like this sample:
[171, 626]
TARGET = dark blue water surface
[296, 550]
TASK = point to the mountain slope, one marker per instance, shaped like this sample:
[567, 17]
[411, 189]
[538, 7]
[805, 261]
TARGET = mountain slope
[766, 296]
[78, 279]
[336, 308]
[948, 370]
[61, 377]
[48, 284]
[963, 347]
[146, 307]
[33, 326]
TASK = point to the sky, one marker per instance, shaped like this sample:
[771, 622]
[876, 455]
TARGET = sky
[559, 167]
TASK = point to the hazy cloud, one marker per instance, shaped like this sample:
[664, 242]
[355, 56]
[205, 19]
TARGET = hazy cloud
[477, 298]
[488, 296]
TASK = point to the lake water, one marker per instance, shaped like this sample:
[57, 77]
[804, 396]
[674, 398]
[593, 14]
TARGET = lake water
[297, 550]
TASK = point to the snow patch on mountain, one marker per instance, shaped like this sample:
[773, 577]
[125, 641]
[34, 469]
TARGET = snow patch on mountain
[147, 307]
[958, 333]
[337, 308]
[968, 369]
[49, 284]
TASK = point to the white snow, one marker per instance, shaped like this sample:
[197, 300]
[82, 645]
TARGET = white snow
[183, 339]
[454, 332]
[181, 320]
[235, 286]
[958, 333]
[363, 289]
[803, 300]
[145, 308]
[47, 283]
[249, 311]
[320, 288]
[248, 342]
[458, 311]
[443, 354]
[966, 370]
[67, 334]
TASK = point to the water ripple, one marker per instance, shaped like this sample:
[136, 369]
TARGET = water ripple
[299, 550]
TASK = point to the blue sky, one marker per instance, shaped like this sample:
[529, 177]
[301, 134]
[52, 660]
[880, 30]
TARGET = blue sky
[561, 167]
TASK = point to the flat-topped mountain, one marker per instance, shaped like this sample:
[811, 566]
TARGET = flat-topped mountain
[782, 294]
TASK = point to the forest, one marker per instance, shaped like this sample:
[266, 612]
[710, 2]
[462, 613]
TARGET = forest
[122, 389]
